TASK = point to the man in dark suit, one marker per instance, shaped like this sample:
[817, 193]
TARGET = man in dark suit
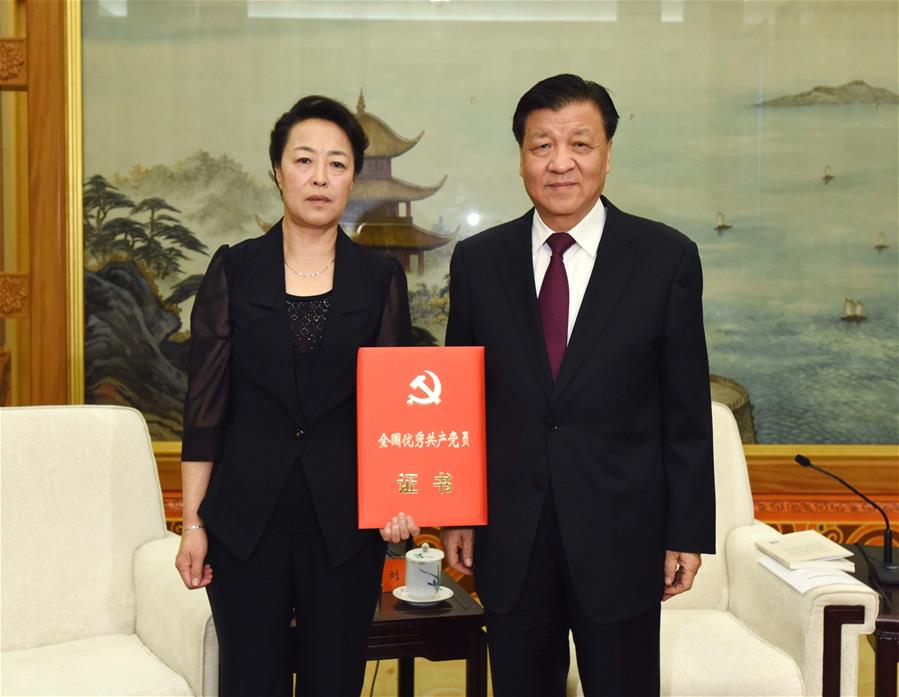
[599, 437]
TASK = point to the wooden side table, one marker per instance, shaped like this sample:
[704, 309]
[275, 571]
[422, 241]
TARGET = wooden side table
[450, 630]
[885, 639]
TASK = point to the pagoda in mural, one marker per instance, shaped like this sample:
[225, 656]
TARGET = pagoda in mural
[380, 206]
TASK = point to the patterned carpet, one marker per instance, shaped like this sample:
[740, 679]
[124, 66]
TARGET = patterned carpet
[443, 679]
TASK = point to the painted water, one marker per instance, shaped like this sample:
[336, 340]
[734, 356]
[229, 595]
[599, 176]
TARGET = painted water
[775, 283]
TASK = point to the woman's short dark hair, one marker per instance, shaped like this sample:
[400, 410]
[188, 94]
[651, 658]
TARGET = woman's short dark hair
[560, 91]
[317, 107]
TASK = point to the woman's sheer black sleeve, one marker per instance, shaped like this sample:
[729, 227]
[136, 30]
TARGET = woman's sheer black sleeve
[209, 356]
[396, 324]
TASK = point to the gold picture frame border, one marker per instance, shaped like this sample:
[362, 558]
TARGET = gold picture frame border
[74, 209]
[872, 468]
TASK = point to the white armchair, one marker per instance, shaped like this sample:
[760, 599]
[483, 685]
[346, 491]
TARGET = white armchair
[90, 601]
[741, 630]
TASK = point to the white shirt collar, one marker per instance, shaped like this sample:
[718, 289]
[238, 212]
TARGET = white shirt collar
[586, 233]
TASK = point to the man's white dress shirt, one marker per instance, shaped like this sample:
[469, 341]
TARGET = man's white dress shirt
[579, 257]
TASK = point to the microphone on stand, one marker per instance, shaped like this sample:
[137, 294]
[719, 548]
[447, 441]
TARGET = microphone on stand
[884, 571]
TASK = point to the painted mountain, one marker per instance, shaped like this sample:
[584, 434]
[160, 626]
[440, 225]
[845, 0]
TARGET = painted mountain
[854, 92]
[148, 236]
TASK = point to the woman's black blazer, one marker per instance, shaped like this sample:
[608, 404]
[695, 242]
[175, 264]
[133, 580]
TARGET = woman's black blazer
[242, 410]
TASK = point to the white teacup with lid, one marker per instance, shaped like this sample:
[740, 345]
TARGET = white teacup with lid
[423, 565]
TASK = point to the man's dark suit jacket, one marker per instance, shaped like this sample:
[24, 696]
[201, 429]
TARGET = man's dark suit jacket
[242, 410]
[623, 439]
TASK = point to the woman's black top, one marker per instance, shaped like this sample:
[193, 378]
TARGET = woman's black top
[306, 317]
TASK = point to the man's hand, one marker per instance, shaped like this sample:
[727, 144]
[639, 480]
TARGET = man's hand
[680, 570]
[458, 543]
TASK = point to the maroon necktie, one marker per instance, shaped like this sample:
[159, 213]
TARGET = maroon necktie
[554, 301]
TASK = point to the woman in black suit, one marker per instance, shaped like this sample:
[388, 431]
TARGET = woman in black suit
[269, 451]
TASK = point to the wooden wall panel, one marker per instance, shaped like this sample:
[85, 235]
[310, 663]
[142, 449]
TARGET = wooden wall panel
[168, 462]
[873, 469]
[47, 204]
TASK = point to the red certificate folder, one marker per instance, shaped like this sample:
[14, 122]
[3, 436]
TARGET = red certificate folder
[421, 435]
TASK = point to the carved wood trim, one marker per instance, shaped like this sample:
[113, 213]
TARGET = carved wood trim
[13, 64]
[13, 295]
[810, 508]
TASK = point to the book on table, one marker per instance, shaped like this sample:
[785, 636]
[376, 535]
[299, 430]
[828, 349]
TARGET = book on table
[807, 549]
[421, 435]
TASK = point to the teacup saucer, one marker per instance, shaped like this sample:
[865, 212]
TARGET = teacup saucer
[443, 593]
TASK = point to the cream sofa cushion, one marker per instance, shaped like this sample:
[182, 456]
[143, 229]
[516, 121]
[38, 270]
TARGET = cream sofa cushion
[115, 664]
[90, 601]
[708, 652]
[80, 493]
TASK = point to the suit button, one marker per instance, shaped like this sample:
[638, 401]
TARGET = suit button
[298, 433]
[537, 484]
[549, 421]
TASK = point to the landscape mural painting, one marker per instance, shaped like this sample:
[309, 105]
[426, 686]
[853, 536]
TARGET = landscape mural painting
[765, 131]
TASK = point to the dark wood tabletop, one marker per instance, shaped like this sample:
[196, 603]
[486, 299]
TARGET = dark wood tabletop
[889, 594]
[450, 630]
[460, 607]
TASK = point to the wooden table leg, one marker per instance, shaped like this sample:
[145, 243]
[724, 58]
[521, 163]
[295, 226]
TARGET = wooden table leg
[405, 678]
[887, 653]
[476, 666]
[835, 616]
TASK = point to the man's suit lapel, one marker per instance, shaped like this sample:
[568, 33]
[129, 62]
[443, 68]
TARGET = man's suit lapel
[615, 260]
[344, 329]
[516, 269]
[268, 296]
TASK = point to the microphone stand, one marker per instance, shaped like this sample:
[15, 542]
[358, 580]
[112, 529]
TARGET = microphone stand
[885, 571]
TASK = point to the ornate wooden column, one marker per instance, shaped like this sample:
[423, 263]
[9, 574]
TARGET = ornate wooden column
[14, 282]
[47, 200]
[42, 285]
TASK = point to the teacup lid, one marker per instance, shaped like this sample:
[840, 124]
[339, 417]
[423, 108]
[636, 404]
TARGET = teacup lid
[424, 553]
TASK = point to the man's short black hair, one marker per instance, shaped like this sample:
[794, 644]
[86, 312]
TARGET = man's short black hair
[560, 91]
[317, 107]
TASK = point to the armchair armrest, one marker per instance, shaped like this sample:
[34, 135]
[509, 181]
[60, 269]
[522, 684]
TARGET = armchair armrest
[793, 621]
[173, 622]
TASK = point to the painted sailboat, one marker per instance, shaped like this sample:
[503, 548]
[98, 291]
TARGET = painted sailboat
[828, 175]
[853, 311]
[722, 225]
[881, 243]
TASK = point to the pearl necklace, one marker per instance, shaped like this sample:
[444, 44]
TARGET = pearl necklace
[308, 275]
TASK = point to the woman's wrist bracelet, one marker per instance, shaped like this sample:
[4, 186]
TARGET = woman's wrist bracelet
[198, 526]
